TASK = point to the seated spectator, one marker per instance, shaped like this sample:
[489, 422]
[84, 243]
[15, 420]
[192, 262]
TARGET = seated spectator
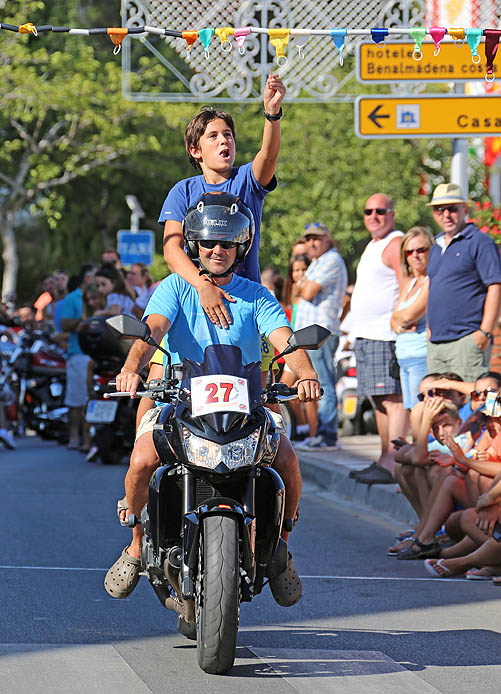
[118, 299]
[408, 320]
[444, 421]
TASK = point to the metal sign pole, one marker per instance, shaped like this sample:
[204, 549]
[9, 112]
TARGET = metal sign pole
[459, 163]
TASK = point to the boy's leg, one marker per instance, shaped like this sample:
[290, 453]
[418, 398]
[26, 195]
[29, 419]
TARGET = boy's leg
[451, 490]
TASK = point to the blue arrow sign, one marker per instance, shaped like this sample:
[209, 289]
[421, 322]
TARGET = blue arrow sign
[136, 247]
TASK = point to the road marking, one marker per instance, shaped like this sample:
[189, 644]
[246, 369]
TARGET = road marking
[382, 578]
[311, 671]
[63, 668]
[321, 578]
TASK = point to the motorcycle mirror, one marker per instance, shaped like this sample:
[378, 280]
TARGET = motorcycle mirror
[128, 326]
[311, 337]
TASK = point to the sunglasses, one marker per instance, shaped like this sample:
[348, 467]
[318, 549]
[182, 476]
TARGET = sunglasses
[419, 251]
[478, 393]
[435, 392]
[443, 208]
[377, 210]
[209, 245]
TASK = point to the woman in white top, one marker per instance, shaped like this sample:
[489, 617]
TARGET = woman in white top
[110, 283]
[408, 320]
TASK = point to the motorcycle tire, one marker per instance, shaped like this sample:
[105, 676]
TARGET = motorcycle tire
[108, 446]
[218, 594]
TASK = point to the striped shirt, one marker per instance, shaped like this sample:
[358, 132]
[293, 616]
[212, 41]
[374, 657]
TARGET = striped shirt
[324, 309]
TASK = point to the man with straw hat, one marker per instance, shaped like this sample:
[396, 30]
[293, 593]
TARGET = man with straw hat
[465, 288]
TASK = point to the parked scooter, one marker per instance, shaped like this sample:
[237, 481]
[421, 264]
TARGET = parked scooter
[113, 422]
[355, 414]
[215, 509]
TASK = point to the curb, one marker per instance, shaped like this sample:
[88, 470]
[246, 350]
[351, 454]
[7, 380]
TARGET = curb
[332, 477]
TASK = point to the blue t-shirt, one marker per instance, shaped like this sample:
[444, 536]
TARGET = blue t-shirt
[255, 312]
[71, 307]
[241, 182]
[459, 276]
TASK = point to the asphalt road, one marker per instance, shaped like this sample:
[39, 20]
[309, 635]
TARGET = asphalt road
[366, 622]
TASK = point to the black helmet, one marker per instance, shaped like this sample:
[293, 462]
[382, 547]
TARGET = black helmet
[219, 217]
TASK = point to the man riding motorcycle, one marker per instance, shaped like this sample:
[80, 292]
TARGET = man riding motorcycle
[218, 232]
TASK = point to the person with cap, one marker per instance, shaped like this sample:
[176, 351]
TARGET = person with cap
[322, 291]
[465, 288]
[377, 288]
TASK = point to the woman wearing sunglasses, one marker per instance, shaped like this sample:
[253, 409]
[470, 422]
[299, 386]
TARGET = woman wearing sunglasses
[409, 317]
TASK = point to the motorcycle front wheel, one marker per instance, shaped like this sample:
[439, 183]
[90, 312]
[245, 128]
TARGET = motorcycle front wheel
[218, 594]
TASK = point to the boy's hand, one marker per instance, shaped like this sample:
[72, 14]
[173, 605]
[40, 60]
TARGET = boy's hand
[274, 92]
[431, 408]
[211, 299]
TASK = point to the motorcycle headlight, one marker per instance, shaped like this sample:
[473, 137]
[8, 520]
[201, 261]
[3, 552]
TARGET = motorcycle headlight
[208, 454]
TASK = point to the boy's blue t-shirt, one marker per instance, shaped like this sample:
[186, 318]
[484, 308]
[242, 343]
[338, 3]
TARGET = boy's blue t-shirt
[241, 182]
[255, 312]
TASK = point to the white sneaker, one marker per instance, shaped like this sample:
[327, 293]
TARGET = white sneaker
[7, 439]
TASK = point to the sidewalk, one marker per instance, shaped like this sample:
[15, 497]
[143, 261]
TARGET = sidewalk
[329, 471]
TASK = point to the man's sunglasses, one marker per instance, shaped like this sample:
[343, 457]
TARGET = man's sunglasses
[478, 393]
[419, 251]
[443, 208]
[209, 245]
[435, 392]
[378, 210]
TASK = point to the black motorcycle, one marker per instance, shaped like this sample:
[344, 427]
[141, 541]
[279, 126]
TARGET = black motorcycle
[215, 509]
[113, 422]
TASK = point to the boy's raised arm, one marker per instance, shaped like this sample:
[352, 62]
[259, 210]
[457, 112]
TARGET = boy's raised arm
[265, 161]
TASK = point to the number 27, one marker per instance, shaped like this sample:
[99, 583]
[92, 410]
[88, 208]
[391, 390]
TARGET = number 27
[212, 389]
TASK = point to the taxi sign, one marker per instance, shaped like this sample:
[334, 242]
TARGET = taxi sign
[393, 62]
[136, 246]
[427, 116]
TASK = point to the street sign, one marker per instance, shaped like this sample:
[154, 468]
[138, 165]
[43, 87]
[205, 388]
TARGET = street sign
[427, 116]
[136, 246]
[393, 62]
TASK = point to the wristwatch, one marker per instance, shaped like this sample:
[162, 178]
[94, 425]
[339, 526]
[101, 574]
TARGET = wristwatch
[273, 116]
[487, 335]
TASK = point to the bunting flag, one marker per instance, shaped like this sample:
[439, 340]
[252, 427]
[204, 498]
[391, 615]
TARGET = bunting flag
[279, 37]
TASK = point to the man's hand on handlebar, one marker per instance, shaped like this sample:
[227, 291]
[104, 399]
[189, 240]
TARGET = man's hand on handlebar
[308, 389]
[128, 381]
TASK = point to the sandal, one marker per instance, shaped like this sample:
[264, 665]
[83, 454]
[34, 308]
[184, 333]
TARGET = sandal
[286, 588]
[429, 565]
[418, 550]
[483, 574]
[123, 576]
[123, 505]
[399, 547]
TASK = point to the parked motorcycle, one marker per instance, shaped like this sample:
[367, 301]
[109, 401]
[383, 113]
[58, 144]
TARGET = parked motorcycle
[114, 422]
[36, 370]
[215, 509]
[355, 414]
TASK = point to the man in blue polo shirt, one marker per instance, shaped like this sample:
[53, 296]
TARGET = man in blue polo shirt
[465, 289]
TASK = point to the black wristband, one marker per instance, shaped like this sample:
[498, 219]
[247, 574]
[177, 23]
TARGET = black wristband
[273, 117]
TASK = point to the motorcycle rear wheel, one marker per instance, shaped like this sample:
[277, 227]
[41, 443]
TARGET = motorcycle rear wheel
[218, 595]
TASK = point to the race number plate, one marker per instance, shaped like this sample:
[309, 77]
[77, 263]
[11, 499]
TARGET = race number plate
[101, 411]
[219, 393]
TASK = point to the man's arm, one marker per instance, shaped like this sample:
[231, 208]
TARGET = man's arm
[391, 258]
[139, 355]
[430, 410]
[69, 325]
[211, 296]
[265, 161]
[299, 362]
[490, 316]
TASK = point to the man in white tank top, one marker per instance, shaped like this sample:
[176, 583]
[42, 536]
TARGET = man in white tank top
[375, 294]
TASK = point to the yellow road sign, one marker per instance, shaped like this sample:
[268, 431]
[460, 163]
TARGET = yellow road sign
[393, 62]
[427, 116]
